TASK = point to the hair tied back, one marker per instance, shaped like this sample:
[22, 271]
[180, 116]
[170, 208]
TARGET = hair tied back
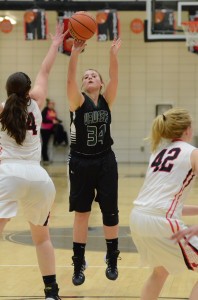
[27, 79]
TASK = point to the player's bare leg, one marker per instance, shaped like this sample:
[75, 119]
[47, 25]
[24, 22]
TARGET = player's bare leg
[154, 284]
[3, 223]
[194, 293]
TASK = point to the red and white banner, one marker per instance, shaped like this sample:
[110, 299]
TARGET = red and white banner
[63, 17]
[35, 24]
[108, 25]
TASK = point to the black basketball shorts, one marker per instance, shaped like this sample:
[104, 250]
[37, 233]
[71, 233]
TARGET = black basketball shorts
[93, 179]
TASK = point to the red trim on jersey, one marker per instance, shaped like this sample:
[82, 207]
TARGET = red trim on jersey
[192, 265]
[173, 223]
[175, 201]
[177, 140]
[172, 226]
[186, 252]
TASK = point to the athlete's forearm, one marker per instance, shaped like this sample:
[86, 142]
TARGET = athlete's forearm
[49, 58]
[113, 67]
[72, 67]
[190, 210]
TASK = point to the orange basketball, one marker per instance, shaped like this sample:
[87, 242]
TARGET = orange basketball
[159, 16]
[101, 17]
[137, 26]
[29, 16]
[82, 26]
[6, 26]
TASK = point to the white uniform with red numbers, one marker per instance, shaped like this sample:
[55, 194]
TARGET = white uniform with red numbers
[21, 176]
[158, 209]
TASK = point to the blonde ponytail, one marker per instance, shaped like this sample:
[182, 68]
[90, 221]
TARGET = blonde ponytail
[170, 125]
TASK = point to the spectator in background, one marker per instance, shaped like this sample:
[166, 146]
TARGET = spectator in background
[49, 116]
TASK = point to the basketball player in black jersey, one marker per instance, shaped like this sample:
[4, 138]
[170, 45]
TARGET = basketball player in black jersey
[92, 165]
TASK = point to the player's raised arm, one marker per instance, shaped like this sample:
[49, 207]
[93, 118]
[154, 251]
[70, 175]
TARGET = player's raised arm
[39, 91]
[74, 94]
[111, 89]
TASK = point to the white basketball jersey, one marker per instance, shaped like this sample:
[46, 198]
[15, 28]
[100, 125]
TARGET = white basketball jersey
[168, 180]
[31, 147]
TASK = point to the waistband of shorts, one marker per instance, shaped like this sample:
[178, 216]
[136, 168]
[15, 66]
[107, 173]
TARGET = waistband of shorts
[19, 161]
[96, 155]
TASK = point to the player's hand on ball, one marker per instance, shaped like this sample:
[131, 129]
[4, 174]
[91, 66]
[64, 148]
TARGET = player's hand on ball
[79, 46]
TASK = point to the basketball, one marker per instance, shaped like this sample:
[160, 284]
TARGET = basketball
[29, 16]
[137, 26]
[101, 17]
[6, 26]
[82, 26]
[159, 16]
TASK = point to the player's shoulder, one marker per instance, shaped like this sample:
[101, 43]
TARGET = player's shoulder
[33, 103]
[33, 107]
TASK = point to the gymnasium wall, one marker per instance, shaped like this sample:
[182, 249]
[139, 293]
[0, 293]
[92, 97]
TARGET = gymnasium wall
[149, 74]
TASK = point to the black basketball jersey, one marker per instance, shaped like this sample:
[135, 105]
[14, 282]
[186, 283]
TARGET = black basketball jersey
[90, 127]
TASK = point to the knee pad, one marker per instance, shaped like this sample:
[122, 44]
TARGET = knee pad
[110, 219]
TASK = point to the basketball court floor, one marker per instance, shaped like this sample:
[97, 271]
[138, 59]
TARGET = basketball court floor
[19, 274]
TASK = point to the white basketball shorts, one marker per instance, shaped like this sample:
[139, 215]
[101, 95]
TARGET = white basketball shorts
[151, 234]
[27, 183]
